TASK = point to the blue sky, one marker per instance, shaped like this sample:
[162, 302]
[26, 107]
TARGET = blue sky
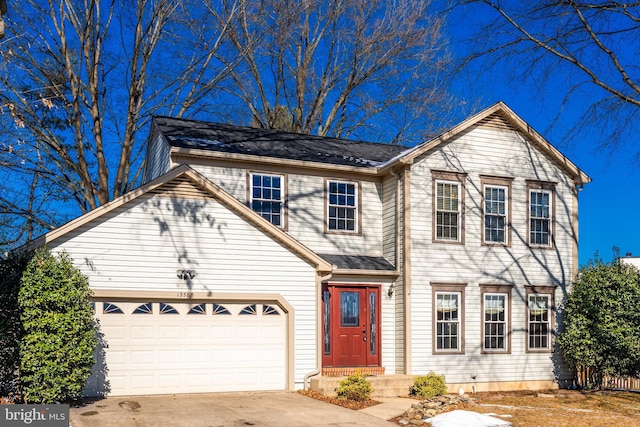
[608, 206]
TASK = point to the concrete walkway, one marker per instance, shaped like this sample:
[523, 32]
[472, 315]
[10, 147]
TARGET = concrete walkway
[284, 409]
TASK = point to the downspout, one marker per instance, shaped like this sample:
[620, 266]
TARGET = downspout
[404, 254]
[396, 175]
[306, 383]
[406, 272]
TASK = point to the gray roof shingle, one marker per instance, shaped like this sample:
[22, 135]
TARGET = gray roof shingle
[359, 262]
[274, 143]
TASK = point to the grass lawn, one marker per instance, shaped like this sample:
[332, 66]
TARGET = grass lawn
[563, 408]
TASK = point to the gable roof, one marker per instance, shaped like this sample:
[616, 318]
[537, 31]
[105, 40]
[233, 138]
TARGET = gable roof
[177, 176]
[369, 157]
[216, 137]
[513, 121]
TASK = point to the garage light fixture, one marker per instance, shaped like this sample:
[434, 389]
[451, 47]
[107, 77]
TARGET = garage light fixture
[185, 274]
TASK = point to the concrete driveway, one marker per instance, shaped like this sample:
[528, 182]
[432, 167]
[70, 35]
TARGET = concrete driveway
[220, 410]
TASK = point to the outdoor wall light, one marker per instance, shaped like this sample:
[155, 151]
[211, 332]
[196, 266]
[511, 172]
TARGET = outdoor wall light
[185, 274]
[392, 288]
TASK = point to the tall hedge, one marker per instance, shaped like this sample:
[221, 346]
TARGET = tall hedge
[11, 268]
[602, 321]
[59, 336]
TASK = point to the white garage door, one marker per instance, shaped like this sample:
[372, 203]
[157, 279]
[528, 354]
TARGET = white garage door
[175, 347]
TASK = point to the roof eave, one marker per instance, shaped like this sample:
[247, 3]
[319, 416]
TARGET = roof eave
[249, 158]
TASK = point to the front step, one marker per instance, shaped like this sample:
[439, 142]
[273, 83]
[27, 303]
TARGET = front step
[383, 385]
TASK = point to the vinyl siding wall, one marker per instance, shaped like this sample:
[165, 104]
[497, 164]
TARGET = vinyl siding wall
[306, 209]
[140, 245]
[392, 321]
[497, 152]
[158, 158]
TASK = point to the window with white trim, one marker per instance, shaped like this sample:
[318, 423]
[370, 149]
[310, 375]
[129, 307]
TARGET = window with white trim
[495, 214]
[539, 320]
[267, 197]
[496, 322]
[342, 206]
[448, 318]
[541, 195]
[447, 321]
[447, 210]
[448, 206]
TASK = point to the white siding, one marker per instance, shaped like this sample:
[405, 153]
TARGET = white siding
[389, 223]
[158, 160]
[140, 245]
[495, 152]
[306, 210]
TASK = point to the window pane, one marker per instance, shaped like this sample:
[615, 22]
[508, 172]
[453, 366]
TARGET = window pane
[495, 321]
[447, 211]
[342, 206]
[327, 321]
[267, 200]
[447, 320]
[539, 321]
[495, 211]
[349, 308]
[539, 218]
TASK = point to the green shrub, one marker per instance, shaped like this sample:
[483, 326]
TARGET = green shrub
[602, 322]
[59, 336]
[11, 268]
[355, 387]
[430, 385]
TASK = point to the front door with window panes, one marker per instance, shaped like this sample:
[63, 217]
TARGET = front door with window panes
[351, 326]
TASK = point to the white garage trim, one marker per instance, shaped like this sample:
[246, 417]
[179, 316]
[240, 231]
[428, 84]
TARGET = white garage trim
[186, 297]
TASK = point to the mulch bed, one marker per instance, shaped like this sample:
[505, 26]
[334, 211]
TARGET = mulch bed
[350, 404]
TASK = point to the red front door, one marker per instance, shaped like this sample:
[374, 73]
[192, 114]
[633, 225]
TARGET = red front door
[351, 326]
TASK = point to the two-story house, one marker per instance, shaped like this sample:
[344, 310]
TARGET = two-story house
[256, 259]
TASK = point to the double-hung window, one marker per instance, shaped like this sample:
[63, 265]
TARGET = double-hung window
[448, 206]
[267, 197]
[448, 311]
[497, 207]
[541, 196]
[496, 319]
[539, 318]
[342, 206]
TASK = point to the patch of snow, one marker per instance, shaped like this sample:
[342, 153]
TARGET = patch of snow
[460, 418]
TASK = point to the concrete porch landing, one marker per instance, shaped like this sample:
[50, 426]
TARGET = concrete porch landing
[383, 385]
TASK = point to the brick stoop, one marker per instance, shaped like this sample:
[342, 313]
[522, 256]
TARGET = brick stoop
[383, 385]
[342, 371]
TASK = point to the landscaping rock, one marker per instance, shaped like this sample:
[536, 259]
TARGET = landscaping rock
[429, 408]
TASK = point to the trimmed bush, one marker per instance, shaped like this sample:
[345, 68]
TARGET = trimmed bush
[59, 335]
[430, 385]
[355, 387]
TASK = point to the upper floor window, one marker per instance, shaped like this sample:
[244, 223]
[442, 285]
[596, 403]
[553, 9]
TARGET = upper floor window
[449, 206]
[539, 318]
[497, 208]
[496, 319]
[540, 214]
[342, 206]
[448, 312]
[267, 197]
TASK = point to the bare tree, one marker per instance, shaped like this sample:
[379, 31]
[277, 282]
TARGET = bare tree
[79, 80]
[587, 49]
[348, 68]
